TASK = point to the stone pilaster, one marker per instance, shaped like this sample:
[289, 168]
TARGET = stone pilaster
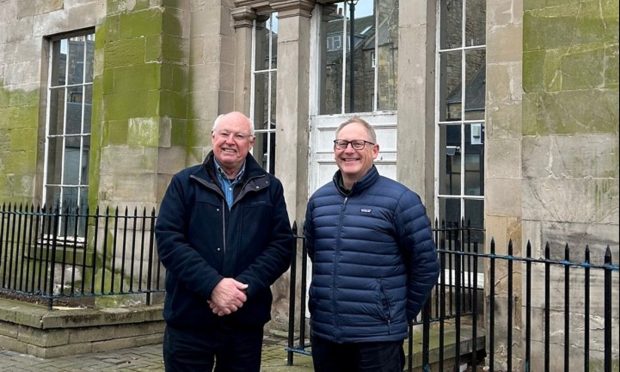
[416, 110]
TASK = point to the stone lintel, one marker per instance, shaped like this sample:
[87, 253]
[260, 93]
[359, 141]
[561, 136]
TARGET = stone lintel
[293, 8]
[245, 11]
[243, 16]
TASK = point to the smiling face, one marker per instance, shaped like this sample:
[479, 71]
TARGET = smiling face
[354, 164]
[232, 139]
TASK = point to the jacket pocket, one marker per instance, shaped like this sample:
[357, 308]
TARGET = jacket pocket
[386, 304]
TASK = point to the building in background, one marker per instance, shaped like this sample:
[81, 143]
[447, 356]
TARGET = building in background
[501, 113]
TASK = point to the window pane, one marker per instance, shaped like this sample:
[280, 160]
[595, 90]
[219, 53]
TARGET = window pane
[59, 57]
[451, 21]
[74, 110]
[475, 75]
[266, 49]
[262, 45]
[274, 93]
[69, 198]
[76, 60]
[332, 42]
[88, 99]
[71, 161]
[387, 50]
[360, 42]
[265, 150]
[90, 57]
[273, 28]
[57, 111]
[474, 159]
[261, 99]
[54, 164]
[450, 160]
[474, 215]
[475, 16]
[450, 211]
[52, 197]
[450, 86]
[85, 160]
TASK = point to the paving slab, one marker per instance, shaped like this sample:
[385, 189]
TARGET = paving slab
[142, 358]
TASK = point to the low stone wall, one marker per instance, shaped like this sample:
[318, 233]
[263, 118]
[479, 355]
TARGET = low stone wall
[33, 329]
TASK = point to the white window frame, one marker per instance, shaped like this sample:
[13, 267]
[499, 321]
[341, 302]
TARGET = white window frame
[314, 107]
[270, 71]
[463, 123]
[66, 86]
[448, 275]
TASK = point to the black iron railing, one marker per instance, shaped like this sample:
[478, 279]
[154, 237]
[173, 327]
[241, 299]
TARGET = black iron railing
[63, 255]
[475, 312]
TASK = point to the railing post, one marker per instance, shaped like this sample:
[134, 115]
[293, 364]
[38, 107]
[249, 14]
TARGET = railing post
[547, 304]
[302, 295]
[291, 307]
[528, 306]
[54, 236]
[586, 326]
[510, 306]
[492, 307]
[607, 312]
[566, 308]
[426, 339]
[151, 252]
[442, 294]
[458, 248]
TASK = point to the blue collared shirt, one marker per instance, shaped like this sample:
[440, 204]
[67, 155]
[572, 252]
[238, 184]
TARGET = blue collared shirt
[227, 184]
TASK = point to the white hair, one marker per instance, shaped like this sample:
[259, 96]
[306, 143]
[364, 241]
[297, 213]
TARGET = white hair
[218, 120]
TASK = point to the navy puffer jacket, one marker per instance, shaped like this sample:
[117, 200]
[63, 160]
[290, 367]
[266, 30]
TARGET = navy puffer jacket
[373, 260]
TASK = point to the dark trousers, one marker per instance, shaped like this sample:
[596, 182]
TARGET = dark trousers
[357, 357]
[228, 348]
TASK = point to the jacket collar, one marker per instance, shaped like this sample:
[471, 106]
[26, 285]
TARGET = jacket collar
[365, 182]
[252, 169]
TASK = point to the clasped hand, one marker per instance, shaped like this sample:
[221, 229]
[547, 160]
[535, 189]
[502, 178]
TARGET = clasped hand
[227, 297]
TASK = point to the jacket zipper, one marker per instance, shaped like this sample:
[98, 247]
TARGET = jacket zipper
[224, 206]
[337, 258]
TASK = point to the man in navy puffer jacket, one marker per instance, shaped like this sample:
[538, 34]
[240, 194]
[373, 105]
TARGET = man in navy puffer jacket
[373, 260]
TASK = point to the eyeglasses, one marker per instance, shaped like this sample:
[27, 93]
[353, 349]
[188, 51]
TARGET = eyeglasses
[239, 137]
[356, 144]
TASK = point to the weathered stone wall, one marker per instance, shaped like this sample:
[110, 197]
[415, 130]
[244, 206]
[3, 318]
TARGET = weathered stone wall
[140, 100]
[570, 155]
[24, 26]
[570, 123]
[552, 158]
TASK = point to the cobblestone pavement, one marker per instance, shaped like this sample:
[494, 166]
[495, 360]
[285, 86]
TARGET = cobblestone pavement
[143, 358]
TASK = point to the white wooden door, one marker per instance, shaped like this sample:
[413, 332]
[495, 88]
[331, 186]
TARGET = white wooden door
[322, 134]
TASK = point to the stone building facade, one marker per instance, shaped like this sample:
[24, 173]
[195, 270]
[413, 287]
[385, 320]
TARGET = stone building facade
[533, 150]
